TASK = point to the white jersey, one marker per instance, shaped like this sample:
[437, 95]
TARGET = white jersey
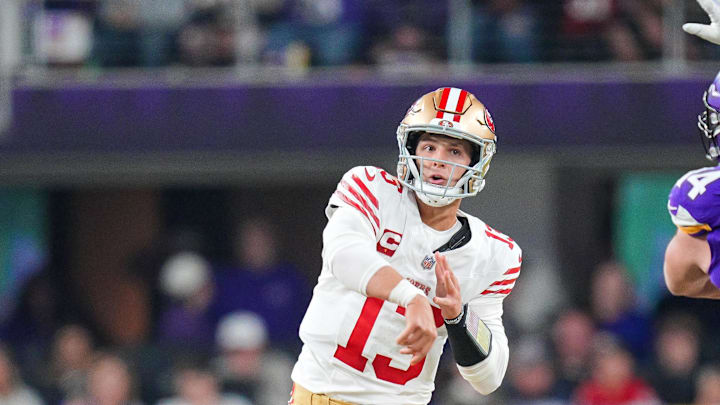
[349, 350]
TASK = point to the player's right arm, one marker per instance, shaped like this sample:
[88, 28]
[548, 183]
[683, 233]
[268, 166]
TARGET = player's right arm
[349, 241]
[687, 260]
[693, 255]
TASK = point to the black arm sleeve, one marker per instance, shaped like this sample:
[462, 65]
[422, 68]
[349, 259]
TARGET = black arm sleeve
[466, 350]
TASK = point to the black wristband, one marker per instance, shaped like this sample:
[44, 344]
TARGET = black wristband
[466, 349]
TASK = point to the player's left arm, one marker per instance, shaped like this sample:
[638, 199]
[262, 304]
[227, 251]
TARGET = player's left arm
[692, 257]
[477, 335]
[686, 267]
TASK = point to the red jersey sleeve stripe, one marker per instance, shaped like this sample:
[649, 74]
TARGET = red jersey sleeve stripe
[512, 271]
[486, 292]
[504, 282]
[365, 190]
[358, 207]
[362, 200]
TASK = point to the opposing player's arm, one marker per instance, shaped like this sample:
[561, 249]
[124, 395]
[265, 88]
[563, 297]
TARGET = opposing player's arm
[687, 260]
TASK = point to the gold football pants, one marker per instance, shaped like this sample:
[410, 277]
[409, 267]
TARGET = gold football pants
[301, 396]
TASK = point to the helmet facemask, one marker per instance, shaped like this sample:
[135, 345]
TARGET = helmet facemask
[709, 125]
[411, 166]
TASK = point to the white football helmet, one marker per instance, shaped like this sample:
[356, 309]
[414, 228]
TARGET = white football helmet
[451, 112]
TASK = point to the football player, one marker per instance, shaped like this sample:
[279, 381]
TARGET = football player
[692, 257]
[693, 254]
[404, 269]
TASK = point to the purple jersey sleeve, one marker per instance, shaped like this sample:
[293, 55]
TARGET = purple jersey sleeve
[713, 239]
[694, 206]
[694, 201]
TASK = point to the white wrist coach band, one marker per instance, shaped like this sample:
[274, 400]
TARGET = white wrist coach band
[403, 293]
[457, 319]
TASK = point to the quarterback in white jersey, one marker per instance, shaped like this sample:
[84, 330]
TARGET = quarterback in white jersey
[404, 269]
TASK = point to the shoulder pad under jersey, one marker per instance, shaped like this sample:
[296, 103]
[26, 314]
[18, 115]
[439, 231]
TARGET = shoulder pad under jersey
[694, 201]
[364, 188]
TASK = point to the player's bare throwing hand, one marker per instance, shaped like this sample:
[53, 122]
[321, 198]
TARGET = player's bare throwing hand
[404, 269]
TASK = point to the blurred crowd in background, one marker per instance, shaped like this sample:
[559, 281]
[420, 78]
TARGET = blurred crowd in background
[225, 333]
[301, 33]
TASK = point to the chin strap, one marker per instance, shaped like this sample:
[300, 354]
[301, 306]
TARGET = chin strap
[433, 200]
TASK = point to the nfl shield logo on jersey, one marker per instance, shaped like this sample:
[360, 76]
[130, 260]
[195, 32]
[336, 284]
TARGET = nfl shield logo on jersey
[428, 262]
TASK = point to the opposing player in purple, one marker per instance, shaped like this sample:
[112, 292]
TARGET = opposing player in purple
[692, 258]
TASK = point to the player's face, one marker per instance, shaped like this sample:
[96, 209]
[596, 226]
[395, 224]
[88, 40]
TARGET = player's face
[443, 148]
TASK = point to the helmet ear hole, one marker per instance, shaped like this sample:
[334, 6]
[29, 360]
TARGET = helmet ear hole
[476, 152]
[412, 141]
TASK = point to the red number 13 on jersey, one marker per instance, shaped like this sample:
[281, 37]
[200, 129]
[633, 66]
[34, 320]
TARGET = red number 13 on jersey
[351, 354]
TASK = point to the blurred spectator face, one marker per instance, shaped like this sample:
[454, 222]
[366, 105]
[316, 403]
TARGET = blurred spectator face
[242, 337]
[572, 335]
[611, 292]
[7, 374]
[534, 381]
[612, 365]
[678, 350]
[244, 363]
[504, 6]
[582, 16]
[110, 381]
[408, 37]
[73, 348]
[531, 373]
[197, 387]
[708, 387]
[122, 14]
[256, 244]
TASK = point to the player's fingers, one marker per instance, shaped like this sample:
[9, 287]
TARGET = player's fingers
[693, 28]
[404, 336]
[415, 347]
[418, 343]
[425, 348]
[438, 262]
[451, 285]
[443, 260]
[411, 336]
[442, 302]
[416, 358]
[440, 281]
[710, 9]
[454, 282]
[703, 31]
